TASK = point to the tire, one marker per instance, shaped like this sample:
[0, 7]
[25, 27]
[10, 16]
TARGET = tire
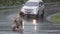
[42, 13]
[37, 16]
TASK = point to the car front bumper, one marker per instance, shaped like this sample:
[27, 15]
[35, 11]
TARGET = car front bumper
[30, 15]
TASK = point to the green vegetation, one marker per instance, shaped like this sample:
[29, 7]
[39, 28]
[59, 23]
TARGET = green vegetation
[6, 8]
[18, 2]
[11, 2]
[2, 8]
[56, 18]
[51, 1]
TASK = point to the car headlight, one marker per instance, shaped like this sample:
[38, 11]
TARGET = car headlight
[35, 11]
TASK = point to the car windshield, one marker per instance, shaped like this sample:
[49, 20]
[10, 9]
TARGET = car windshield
[31, 4]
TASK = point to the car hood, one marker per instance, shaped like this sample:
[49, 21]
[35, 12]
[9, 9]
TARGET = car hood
[30, 7]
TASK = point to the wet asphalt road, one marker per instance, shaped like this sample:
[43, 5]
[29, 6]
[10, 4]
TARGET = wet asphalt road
[31, 26]
[50, 10]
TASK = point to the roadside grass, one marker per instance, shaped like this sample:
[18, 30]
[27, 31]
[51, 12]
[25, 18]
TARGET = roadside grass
[18, 6]
[6, 12]
[6, 8]
[56, 18]
[9, 8]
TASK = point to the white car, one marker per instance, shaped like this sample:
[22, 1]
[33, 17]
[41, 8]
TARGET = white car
[33, 8]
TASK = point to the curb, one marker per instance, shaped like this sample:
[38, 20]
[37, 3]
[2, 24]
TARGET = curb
[49, 17]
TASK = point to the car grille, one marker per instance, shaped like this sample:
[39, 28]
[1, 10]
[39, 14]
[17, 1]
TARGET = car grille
[28, 10]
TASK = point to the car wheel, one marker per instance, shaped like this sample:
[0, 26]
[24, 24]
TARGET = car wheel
[38, 15]
[42, 13]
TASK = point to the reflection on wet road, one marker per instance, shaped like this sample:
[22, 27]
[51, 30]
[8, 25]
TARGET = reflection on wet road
[35, 23]
[30, 25]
